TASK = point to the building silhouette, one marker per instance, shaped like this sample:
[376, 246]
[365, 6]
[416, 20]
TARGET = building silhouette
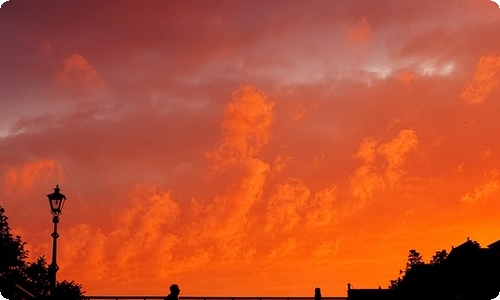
[468, 272]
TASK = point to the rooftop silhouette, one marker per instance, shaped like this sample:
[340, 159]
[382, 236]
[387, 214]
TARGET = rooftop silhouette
[467, 272]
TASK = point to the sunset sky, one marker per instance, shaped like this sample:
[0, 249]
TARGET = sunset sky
[245, 148]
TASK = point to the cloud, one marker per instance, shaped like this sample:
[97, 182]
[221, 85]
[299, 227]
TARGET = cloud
[22, 178]
[321, 210]
[245, 130]
[140, 244]
[153, 230]
[366, 181]
[286, 205]
[147, 225]
[84, 243]
[327, 250]
[284, 249]
[281, 162]
[361, 32]
[481, 192]
[78, 76]
[245, 127]
[486, 78]
[395, 152]
[382, 164]
[406, 77]
[174, 177]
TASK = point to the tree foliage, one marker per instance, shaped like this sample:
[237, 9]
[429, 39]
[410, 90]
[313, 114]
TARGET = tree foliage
[37, 277]
[414, 258]
[32, 276]
[12, 249]
[467, 272]
[13, 255]
[439, 257]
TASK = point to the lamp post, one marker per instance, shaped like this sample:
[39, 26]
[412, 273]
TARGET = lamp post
[56, 201]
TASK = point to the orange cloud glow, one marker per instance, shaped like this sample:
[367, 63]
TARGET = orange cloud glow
[486, 78]
[227, 147]
[373, 176]
[78, 75]
[482, 191]
[361, 32]
[22, 178]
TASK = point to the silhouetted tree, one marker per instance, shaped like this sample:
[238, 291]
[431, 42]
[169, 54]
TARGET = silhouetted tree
[13, 255]
[69, 290]
[395, 283]
[439, 257]
[38, 280]
[467, 272]
[33, 276]
[414, 258]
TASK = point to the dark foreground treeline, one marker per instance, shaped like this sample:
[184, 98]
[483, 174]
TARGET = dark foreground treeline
[467, 272]
[20, 279]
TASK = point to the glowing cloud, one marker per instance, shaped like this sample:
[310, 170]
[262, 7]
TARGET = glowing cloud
[285, 248]
[361, 32]
[382, 164]
[481, 192]
[286, 205]
[23, 177]
[486, 78]
[142, 235]
[406, 77]
[245, 127]
[321, 210]
[281, 162]
[79, 76]
[147, 233]
[327, 249]
[395, 151]
[365, 180]
[349, 140]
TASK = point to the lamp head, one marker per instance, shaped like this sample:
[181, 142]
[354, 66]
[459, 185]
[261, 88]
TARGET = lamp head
[56, 201]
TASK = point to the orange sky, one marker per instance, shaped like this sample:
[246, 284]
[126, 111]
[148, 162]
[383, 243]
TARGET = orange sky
[249, 147]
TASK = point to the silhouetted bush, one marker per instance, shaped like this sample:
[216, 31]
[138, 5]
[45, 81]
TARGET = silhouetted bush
[17, 274]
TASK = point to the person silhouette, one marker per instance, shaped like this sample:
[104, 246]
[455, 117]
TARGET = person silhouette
[174, 292]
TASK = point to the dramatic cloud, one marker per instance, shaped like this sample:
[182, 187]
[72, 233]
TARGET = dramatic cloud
[22, 178]
[482, 191]
[245, 128]
[486, 78]
[79, 76]
[286, 205]
[228, 144]
[373, 176]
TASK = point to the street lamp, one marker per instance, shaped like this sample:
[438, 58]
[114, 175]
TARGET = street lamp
[56, 201]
